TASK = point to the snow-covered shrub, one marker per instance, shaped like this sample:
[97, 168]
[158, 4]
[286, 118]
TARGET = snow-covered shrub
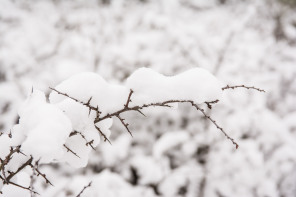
[79, 115]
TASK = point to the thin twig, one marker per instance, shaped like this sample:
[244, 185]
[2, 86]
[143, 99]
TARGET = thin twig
[27, 163]
[87, 104]
[102, 134]
[69, 150]
[32, 181]
[242, 86]
[124, 124]
[36, 168]
[209, 104]
[23, 187]
[84, 188]
[128, 99]
[87, 142]
[6, 161]
[215, 123]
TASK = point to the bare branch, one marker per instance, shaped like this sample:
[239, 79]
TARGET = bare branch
[166, 104]
[242, 86]
[85, 187]
[138, 109]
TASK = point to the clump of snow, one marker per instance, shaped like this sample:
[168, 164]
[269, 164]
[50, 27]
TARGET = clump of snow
[45, 126]
[84, 86]
[195, 84]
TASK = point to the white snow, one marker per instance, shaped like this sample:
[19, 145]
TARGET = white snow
[45, 126]
[196, 84]
[45, 42]
[84, 86]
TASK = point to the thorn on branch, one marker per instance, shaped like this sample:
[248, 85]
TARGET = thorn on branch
[90, 144]
[210, 103]
[140, 112]
[73, 133]
[242, 86]
[10, 134]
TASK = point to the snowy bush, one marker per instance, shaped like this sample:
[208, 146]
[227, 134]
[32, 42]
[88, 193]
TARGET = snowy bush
[173, 152]
[80, 111]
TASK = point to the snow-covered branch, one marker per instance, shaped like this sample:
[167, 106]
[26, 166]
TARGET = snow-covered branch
[81, 111]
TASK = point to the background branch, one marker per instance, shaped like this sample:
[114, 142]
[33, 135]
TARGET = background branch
[242, 86]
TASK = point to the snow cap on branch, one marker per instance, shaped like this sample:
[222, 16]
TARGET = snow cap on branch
[196, 84]
[45, 128]
[91, 86]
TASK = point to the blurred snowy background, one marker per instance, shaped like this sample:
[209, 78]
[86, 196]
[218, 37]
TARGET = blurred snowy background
[173, 152]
